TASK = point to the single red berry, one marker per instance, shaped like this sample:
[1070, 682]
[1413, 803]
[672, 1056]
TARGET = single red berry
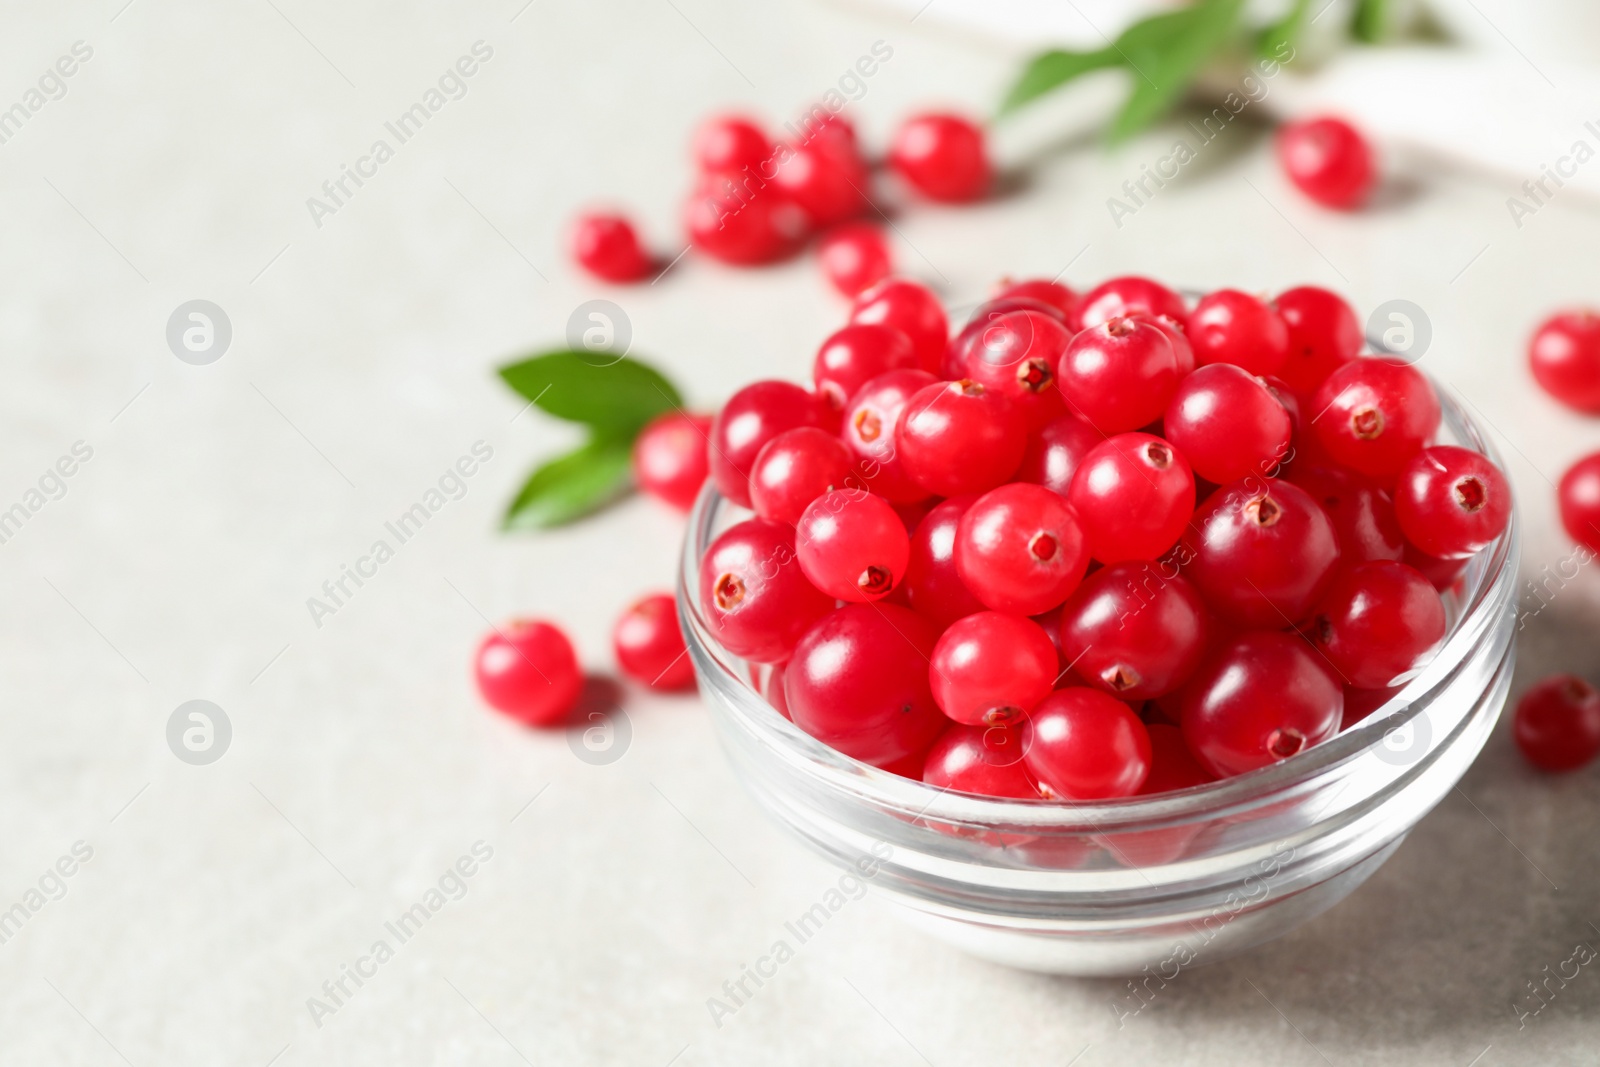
[869, 433]
[753, 593]
[1172, 765]
[959, 437]
[852, 545]
[669, 457]
[991, 668]
[1061, 297]
[1565, 357]
[1261, 553]
[1379, 624]
[528, 671]
[941, 156]
[1324, 335]
[986, 760]
[833, 129]
[1055, 451]
[1119, 375]
[1328, 161]
[1133, 494]
[1557, 724]
[1443, 573]
[1176, 333]
[1260, 698]
[730, 144]
[752, 417]
[1579, 495]
[607, 247]
[1451, 501]
[858, 682]
[855, 257]
[913, 310]
[1019, 548]
[1016, 356]
[1375, 414]
[1126, 295]
[1228, 326]
[1084, 745]
[954, 361]
[1228, 424]
[649, 644]
[828, 185]
[1135, 630]
[743, 221]
[1361, 703]
[932, 585]
[853, 356]
[1362, 514]
[795, 468]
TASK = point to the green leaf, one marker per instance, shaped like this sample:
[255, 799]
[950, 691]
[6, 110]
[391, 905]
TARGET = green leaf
[571, 486]
[1272, 39]
[1048, 71]
[1371, 22]
[616, 398]
[1167, 52]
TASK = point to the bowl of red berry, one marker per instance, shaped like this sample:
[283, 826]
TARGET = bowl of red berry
[1117, 632]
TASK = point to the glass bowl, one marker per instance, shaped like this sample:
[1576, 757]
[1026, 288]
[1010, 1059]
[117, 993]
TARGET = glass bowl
[1163, 881]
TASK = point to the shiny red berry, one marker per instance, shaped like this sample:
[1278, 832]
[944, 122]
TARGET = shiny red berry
[1261, 553]
[1015, 355]
[1324, 335]
[607, 247]
[854, 257]
[754, 595]
[744, 220]
[933, 587]
[1373, 415]
[1126, 295]
[649, 644]
[1055, 451]
[528, 671]
[1328, 160]
[1451, 501]
[1565, 357]
[986, 760]
[941, 156]
[852, 545]
[1133, 495]
[913, 310]
[752, 417]
[1579, 496]
[991, 668]
[1378, 624]
[730, 144]
[669, 457]
[1172, 765]
[959, 437]
[1175, 333]
[1362, 514]
[1120, 375]
[828, 185]
[1557, 724]
[1262, 697]
[1135, 630]
[1084, 745]
[1228, 424]
[853, 356]
[796, 467]
[869, 432]
[858, 682]
[1061, 297]
[1020, 548]
[1228, 326]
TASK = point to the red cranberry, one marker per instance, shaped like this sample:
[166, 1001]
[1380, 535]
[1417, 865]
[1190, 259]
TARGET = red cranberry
[753, 593]
[1565, 357]
[859, 683]
[730, 144]
[1119, 375]
[649, 644]
[942, 157]
[932, 585]
[828, 185]
[1135, 630]
[958, 437]
[954, 362]
[1228, 326]
[1016, 356]
[1176, 334]
[1227, 424]
[669, 457]
[1172, 765]
[1557, 725]
[1361, 513]
[986, 760]
[607, 247]
[855, 257]
[773, 690]
[1580, 501]
[869, 432]
[1055, 451]
[1374, 415]
[795, 468]
[1443, 573]
[1262, 697]
[1084, 745]
[1058, 296]
[991, 667]
[1451, 501]
[743, 221]
[1133, 494]
[1361, 703]
[1379, 624]
[528, 671]
[1261, 552]
[853, 356]
[1328, 160]
[852, 545]
[1324, 335]
[913, 310]
[1019, 549]
[1125, 295]
[752, 417]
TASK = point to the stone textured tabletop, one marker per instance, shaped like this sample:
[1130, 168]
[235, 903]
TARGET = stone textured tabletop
[207, 905]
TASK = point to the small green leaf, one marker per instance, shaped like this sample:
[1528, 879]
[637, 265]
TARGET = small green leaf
[1273, 38]
[1167, 52]
[572, 485]
[616, 398]
[1048, 71]
[1371, 22]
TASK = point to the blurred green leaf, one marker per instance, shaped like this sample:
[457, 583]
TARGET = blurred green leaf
[616, 398]
[572, 485]
[1270, 42]
[1371, 22]
[1051, 70]
[1166, 52]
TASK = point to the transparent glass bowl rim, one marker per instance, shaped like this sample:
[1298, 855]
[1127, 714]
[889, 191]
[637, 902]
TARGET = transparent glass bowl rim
[1487, 586]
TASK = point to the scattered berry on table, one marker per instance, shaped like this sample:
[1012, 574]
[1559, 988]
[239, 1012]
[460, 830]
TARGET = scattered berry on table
[528, 670]
[649, 644]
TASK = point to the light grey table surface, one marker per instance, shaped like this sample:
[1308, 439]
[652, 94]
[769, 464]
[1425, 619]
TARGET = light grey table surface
[177, 565]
